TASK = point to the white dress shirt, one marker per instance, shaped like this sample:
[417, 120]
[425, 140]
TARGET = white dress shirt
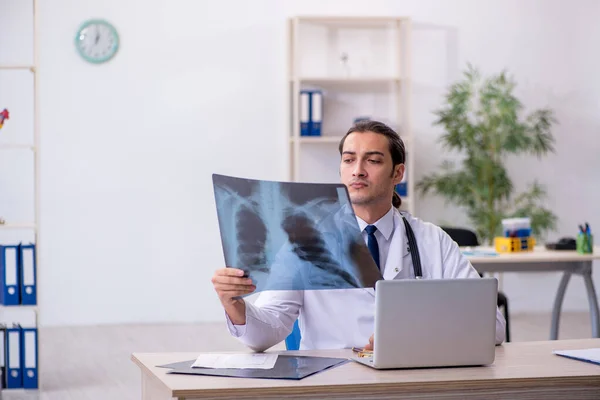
[383, 234]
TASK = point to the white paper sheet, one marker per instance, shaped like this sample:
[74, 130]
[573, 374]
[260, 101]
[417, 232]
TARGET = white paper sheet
[239, 361]
[590, 355]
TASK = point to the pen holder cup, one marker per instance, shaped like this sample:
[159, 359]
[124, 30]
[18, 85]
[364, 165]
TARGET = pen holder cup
[585, 243]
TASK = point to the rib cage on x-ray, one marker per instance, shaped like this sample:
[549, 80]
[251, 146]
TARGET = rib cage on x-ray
[258, 219]
[309, 245]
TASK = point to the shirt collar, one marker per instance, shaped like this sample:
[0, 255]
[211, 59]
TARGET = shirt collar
[385, 224]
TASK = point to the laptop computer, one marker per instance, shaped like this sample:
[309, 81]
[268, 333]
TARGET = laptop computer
[434, 323]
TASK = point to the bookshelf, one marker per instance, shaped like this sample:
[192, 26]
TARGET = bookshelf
[361, 65]
[19, 148]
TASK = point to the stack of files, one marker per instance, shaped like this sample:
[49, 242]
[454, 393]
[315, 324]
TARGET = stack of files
[18, 275]
[284, 367]
[19, 357]
[311, 112]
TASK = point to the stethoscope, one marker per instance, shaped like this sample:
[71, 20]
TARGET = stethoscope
[413, 249]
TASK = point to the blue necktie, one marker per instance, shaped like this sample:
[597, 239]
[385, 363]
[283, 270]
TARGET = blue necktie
[372, 243]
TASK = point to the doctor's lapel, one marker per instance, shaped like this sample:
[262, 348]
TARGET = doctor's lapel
[398, 260]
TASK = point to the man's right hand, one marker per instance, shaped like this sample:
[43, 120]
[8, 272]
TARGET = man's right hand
[230, 283]
[371, 345]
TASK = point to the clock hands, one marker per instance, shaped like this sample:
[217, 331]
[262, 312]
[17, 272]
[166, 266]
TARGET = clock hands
[97, 41]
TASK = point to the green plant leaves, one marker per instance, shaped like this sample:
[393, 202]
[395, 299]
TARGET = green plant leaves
[482, 120]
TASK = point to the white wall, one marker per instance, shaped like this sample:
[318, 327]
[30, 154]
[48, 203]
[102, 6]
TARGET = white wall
[128, 227]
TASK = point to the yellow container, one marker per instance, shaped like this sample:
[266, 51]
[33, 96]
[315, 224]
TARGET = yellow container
[514, 245]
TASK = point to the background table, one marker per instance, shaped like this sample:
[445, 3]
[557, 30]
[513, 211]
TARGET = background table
[543, 260]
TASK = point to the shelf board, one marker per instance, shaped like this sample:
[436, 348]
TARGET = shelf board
[349, 80]
[351, 21]
[16, 146]
[331, 139]
[20, 307]
[18, 67]
[10, 225]
[318, 139]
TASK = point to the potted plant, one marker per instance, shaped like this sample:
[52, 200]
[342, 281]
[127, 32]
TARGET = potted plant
[483, 122]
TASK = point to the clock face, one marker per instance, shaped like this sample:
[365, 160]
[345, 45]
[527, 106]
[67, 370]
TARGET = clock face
[97, 41]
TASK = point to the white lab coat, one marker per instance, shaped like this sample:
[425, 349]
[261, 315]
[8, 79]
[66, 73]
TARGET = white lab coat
[344, 318]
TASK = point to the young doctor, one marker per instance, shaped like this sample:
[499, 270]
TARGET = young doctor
[372, 163]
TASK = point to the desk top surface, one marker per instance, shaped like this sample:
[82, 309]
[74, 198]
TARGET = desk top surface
[539, 254]
[521, 363]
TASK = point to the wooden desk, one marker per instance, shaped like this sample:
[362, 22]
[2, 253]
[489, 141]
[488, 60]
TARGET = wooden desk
[526, 370]
[542, 260]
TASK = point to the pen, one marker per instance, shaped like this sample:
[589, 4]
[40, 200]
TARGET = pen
[362, 352]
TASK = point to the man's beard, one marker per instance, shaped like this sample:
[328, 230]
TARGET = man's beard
[362, 200]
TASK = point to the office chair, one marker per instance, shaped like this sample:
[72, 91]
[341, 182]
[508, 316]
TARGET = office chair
[292, 342]
[466, 237]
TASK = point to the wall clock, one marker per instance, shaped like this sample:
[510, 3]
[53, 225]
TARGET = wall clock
[97, 41]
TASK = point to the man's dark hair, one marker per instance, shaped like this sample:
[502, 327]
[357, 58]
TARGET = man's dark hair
[396, 145]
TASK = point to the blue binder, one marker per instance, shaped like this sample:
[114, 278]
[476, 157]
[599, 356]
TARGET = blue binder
[402, 188]
[316, 112]
[27, 264]
[29, 358]
[304, 113]
[12, 351]
[9, 275]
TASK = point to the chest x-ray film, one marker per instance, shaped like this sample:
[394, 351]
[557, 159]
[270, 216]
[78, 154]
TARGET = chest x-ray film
[292, 236]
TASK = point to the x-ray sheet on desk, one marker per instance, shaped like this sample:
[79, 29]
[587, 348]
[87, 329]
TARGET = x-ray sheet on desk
[292, 236]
